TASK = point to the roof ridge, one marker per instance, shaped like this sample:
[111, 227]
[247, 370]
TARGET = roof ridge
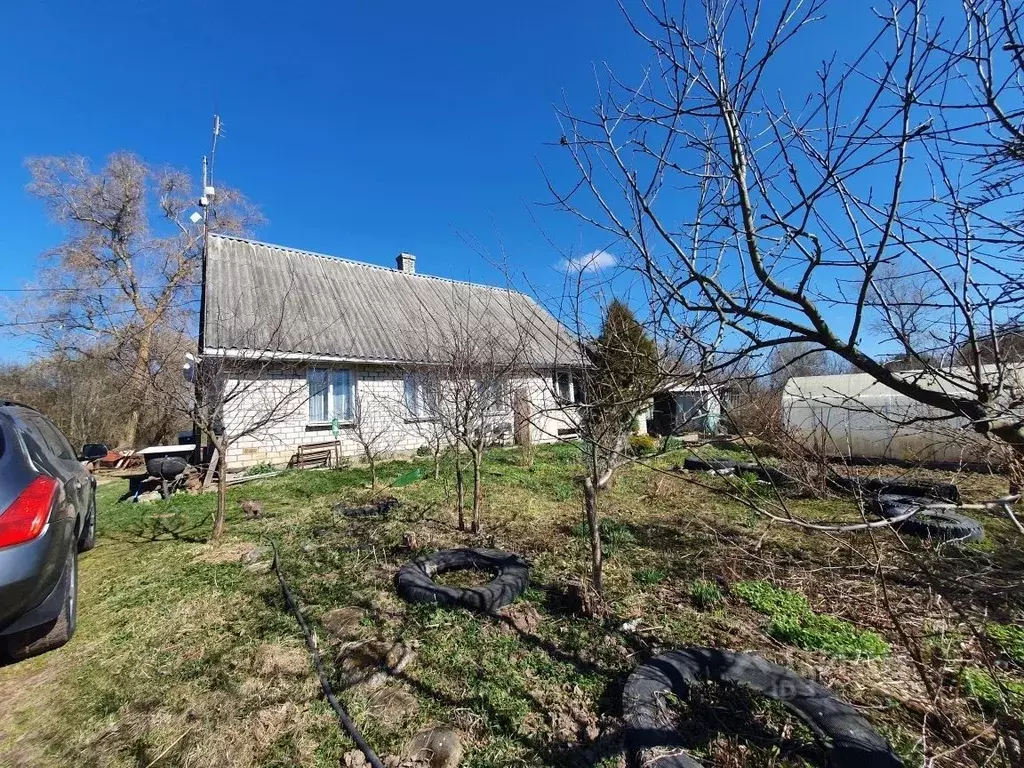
[367, 264]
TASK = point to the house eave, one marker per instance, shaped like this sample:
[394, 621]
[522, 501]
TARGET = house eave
[263, 356]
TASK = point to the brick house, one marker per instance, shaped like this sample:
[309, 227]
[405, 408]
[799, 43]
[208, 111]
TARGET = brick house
[329, 345]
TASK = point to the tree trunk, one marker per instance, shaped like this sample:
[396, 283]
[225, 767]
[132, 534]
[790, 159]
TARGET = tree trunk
[137, 388]
[222, 491]
[596, 558]
[460, 489]
[437, 461]
[478, 491]
[372, 461]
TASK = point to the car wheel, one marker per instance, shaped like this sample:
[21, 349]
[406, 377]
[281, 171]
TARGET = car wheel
[87, 538]
[56, 633]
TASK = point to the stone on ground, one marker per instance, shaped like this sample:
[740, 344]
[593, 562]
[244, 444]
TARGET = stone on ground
[435, 747]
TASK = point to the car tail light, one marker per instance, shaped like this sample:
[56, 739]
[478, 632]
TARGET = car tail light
[26, 517]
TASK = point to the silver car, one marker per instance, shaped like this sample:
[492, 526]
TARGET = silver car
[47, 516]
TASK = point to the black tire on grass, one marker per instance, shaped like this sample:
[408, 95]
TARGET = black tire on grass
[415, 580]
[928, 520]
[708, 465]
[938, 491]
[895, 486]
[941, 525]
[652, 742]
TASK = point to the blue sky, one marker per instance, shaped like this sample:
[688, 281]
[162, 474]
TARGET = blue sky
[361, 129]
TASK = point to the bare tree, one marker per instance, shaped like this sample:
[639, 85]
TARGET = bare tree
[127, 270]
[83, 395]
[243, 392]
[463, 391]
[242, 397]
[782, 216]
[371, 430]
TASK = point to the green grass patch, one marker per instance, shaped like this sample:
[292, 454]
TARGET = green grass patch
[1009, 638]
[706, 594]
[614, 535]
[648, 577]
[793, 622]
[984, 689]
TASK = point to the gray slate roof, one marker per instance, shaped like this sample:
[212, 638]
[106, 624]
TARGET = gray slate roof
[263, 297]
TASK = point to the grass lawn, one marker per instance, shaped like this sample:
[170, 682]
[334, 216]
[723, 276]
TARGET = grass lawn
[186, 656]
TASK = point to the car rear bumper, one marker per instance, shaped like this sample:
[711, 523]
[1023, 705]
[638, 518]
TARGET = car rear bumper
[31, 578]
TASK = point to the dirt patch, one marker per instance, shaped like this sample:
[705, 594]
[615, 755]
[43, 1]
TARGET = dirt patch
[521, 617]
[343, 623]
[391, 706]
[370, 663]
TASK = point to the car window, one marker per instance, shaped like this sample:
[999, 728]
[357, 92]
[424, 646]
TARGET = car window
[43, 441]
[57, 442]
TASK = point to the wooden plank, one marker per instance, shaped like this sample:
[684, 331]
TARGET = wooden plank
[214, 458]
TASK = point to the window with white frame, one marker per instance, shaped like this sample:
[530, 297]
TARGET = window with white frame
[419, 400]
[331, 394]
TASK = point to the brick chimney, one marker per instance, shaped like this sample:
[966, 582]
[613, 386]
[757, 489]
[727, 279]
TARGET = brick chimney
[406, 262]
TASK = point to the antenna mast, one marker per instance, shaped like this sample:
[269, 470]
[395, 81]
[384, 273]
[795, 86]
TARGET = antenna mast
[206, 201]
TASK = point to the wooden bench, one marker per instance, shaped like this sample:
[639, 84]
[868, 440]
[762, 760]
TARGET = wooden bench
[314, 455]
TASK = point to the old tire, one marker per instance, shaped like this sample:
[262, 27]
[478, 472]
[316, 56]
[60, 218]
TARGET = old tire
[938, 491]
[652, 742]
[415, 580]
[708, 465]
[941, 523]
[54, 634]
[87, 538]
[895, 486]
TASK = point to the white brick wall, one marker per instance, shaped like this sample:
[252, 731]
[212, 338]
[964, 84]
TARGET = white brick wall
[380, 393]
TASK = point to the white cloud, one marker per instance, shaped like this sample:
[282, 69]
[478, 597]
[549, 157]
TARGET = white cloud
[588, 262]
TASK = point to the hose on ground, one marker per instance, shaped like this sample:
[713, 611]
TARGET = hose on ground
[314, 652]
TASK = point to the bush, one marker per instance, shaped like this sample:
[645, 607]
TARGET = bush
[793, 622]
[642, 445]
[706, 594]
[259, 469]
[424, 450]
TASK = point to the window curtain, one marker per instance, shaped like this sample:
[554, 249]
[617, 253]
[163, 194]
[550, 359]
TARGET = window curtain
[343, 409]
[317, 380]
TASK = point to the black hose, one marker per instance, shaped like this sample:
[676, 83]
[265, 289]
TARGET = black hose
[343, 717]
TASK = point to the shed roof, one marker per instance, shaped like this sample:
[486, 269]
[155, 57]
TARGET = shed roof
[298, 304]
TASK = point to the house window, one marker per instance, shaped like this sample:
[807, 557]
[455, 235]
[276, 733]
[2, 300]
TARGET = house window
[418, 400]
[579, 388]
[494, 396]
[331, 394]
[562, 381]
